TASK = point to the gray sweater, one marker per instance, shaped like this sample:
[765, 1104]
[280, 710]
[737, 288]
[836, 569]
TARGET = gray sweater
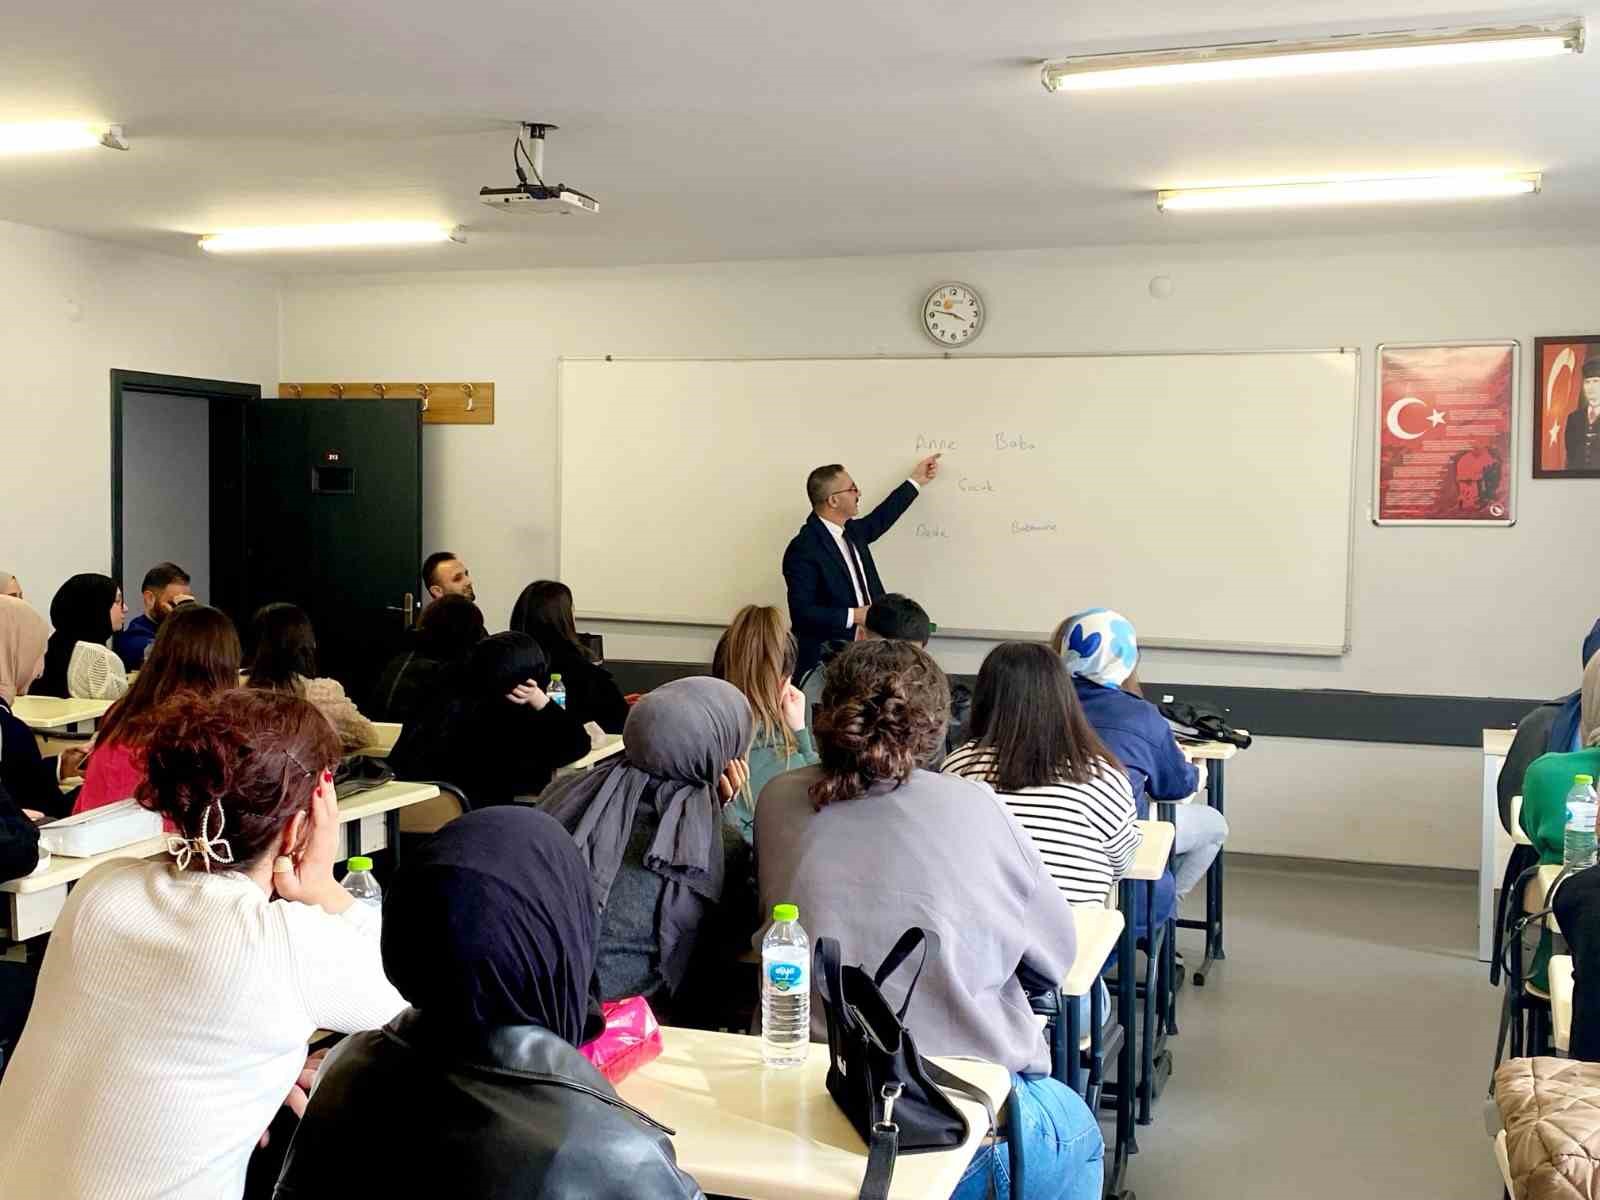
[939, 852]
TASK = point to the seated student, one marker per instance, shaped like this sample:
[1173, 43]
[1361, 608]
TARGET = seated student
[757, 655]
[449, 629]
[1552, 728]
[872, 842]
[489, 932]
[544, 613]
[285, 660]
[895, 617]
[491, 729]
[649, 825]
[1101, 650]
[165, 586]
[175, 1003]
[196, 652]
[19, 855]
[31, 780]
[443, 574]
[10, 585]
[1032, 744]
[88, 609]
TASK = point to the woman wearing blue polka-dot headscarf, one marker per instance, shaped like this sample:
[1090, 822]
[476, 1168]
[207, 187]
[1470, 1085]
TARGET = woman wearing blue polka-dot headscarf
[1101, 650]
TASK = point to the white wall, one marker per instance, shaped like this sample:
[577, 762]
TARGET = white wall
[1470, 612]
[71, 311]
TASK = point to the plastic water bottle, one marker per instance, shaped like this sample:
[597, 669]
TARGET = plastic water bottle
[558, 690]
[361, 884]
[785, 990]
[1578, 846]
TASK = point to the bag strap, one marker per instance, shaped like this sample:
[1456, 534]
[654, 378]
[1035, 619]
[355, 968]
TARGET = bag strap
[827, 970]
[952, 1082]
[895, 959]
[881, 1153]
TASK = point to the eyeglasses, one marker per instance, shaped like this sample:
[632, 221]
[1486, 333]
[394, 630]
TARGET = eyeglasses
[849, 491]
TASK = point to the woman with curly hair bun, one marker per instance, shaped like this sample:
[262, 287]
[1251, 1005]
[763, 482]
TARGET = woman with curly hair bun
[873, 840]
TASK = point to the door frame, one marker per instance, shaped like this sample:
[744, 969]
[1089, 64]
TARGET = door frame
[226, 452]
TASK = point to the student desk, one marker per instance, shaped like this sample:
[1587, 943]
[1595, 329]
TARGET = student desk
[1214, 755]
[746, 1130]
[48, 714]
[1097, 932]
[1148, 865]
[1494, 844]
[33, 902]
[609, 748]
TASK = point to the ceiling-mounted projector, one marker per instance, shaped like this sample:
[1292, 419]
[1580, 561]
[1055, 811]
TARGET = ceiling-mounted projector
[536, 196]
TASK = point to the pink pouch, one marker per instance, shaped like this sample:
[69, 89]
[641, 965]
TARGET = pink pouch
[631, 1039]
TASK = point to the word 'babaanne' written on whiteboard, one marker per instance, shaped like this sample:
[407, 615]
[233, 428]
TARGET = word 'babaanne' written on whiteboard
[1207, 496]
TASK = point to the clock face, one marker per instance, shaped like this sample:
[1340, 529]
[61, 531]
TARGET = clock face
[952, 314]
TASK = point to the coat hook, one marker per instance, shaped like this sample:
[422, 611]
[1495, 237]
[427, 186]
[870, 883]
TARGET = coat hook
[466, 390]
[422, 390]
[338, 391]
[297, 391]
[380, 388]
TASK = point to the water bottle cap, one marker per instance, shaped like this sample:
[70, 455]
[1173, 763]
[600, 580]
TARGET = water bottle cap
[785, 912]
[556, 678]
[360, 863]
[1583, 779]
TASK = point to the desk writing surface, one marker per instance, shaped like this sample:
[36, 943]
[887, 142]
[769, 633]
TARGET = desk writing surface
[65, 870]
[1497, 742]
[1207, 751]
[746, 1130]
[1098, 929]
[1150, 859]
[51, 712]
[610, 748]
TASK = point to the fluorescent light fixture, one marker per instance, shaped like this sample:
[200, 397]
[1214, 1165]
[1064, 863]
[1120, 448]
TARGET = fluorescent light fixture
[42, 136]
[1324, 56]
[1460, 185]
[332, 237]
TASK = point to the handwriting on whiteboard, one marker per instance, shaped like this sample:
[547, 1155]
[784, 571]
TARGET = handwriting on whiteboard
[1033, 527]
[967, 484]
[932, 443]
[931, 531]
[1013, 441]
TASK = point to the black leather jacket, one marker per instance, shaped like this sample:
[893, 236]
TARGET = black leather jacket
[401, 1111]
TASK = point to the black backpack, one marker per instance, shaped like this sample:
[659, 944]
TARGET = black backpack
[1206, 722]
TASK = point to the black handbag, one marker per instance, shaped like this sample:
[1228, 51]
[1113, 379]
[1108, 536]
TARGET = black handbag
[893, 1096]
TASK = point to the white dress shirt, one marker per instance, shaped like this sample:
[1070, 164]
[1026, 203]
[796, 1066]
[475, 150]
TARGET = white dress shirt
[853, 565]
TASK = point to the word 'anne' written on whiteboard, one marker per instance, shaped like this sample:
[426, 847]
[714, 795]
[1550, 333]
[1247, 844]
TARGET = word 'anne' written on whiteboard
[978, 485]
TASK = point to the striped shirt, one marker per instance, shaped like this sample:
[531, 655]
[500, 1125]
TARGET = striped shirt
[1085, 832]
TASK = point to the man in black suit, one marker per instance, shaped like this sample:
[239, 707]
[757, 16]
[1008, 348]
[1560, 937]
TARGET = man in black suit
[828, 566]
[1582, 432]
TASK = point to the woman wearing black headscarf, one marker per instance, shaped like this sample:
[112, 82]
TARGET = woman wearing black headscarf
[86, 608]
[477, 1089]
[491, 729]
[649, 825]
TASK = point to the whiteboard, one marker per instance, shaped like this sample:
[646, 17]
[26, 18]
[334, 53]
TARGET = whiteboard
[1206, 496]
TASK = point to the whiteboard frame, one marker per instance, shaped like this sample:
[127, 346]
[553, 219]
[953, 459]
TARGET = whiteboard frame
[992, 635]
[1511, 444]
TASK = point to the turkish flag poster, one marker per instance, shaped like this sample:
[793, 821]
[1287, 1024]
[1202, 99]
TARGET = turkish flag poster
[1566, 412]
[1446, 415]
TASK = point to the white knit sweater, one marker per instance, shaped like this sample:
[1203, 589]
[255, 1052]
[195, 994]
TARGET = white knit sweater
[171, 1019]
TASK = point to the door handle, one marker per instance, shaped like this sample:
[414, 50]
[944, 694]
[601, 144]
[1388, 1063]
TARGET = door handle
[406, 609]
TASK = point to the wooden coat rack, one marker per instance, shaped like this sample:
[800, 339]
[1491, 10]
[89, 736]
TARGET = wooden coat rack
[442, 403]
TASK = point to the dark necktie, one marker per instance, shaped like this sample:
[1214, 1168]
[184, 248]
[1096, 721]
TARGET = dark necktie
[856, 573]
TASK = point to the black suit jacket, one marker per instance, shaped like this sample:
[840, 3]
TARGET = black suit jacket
[818, 578]
[1577, 425]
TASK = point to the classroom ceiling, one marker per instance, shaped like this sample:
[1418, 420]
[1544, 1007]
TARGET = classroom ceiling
[726, 129]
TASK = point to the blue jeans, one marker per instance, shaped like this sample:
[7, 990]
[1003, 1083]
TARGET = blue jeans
[1061, 1145]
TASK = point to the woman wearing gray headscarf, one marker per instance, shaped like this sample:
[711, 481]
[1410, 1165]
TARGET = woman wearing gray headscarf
[649, 826]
